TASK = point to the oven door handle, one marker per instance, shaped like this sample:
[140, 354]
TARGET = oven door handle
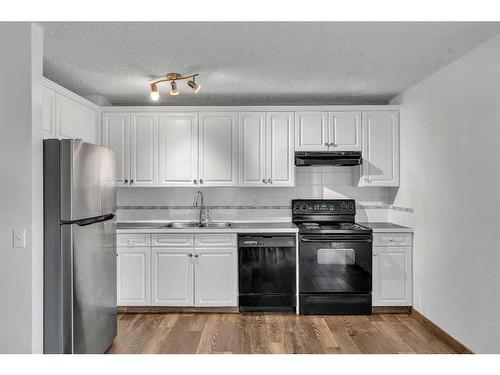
[336, 239]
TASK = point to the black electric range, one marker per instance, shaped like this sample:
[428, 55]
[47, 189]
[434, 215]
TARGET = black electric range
[335, 258]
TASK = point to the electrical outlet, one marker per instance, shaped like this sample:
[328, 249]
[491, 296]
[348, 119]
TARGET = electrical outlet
[18, 238]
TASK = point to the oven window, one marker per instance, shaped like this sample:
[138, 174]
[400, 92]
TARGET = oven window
[336, 256]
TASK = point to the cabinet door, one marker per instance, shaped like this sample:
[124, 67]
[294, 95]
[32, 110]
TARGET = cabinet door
[392, 276]
[280, 154]
[116, 136]
[252, 148]
[311, 131]
[380, 149]
[133, 284]
[218, 144]
[344, 131]
[178, 149]
[85, 123]
[216, 277]
[49, 112]
[173, 280]
[143, 149]
[66, 117]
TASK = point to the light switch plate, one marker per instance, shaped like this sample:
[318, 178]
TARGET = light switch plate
[18, 238]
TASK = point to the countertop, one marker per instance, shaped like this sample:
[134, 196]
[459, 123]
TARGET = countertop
[238, 227]
[386, 227]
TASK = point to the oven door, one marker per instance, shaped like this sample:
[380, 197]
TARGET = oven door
[335, 264]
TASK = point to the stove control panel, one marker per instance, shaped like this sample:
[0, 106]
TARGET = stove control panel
[324, 206]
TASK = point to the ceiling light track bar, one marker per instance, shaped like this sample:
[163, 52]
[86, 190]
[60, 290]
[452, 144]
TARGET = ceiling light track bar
[173, 77]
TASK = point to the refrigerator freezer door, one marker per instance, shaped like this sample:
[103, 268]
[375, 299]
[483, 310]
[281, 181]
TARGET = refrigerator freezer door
[94, 286]
[107, 181]
[87, 172]
[80, 174]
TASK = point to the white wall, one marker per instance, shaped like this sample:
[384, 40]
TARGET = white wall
[20, 194]
[450, 176]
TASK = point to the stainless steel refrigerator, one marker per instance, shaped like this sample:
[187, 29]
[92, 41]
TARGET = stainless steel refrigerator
[79, 247]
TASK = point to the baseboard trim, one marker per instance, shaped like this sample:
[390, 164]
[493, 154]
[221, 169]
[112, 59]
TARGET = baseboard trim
[166, 309]
[391, 310]
[439, 332]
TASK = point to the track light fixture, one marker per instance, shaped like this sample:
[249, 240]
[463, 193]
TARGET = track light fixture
[172, 78]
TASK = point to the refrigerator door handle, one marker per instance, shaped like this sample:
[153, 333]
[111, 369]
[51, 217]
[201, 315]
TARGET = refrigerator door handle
[89, 221]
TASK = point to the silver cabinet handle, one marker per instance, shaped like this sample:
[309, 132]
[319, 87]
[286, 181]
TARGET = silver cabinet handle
[270, 181]
[201, 180]
[196, 255]
[326, 144]
[125, 181]
[195, 181]
[333, 144]
[190, 255]
[132, 181]
[375, 254]
[264, 181]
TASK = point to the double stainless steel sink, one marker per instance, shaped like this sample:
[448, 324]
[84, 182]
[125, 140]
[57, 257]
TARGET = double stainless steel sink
[197, 225]
[172, 225]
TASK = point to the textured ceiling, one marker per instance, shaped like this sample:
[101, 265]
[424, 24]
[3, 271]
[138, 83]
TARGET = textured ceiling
[261, 63]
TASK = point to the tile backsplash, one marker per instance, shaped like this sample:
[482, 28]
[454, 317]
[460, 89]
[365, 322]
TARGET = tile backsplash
[248, 203]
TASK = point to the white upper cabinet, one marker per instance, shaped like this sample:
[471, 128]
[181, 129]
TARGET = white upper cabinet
[178, 149]
[252, 148]
[66, 115]
[328, 131]
[49, 113]
[311, 131]
[143, 149]
[218, 144]
[85, 120]
[344, 130]
[280, 151]
[380, 149]
[266, 149]
[116, 136]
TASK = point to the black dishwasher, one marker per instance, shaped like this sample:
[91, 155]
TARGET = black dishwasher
[267, 272]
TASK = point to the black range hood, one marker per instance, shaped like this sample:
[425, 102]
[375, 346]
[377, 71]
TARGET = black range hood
[338, 158]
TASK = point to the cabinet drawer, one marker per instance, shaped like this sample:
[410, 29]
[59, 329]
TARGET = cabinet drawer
[392, 239]
[209, 240]
[132, 240]
[172, 240]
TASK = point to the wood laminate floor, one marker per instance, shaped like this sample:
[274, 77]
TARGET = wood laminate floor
[273, 333]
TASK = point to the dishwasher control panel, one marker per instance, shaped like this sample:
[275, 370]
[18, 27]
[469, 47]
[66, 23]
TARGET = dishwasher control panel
[264, 240]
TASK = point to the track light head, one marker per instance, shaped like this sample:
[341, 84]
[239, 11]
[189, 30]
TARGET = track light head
[174, 91]
[194, 85]
[154, 93]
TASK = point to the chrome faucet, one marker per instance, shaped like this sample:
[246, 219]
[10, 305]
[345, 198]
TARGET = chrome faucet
[198, 202]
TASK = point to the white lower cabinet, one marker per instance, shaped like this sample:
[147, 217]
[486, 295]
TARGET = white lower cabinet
[216, 277]
[392, 275]
[181, 270]
[172, 278]
[133, 276]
